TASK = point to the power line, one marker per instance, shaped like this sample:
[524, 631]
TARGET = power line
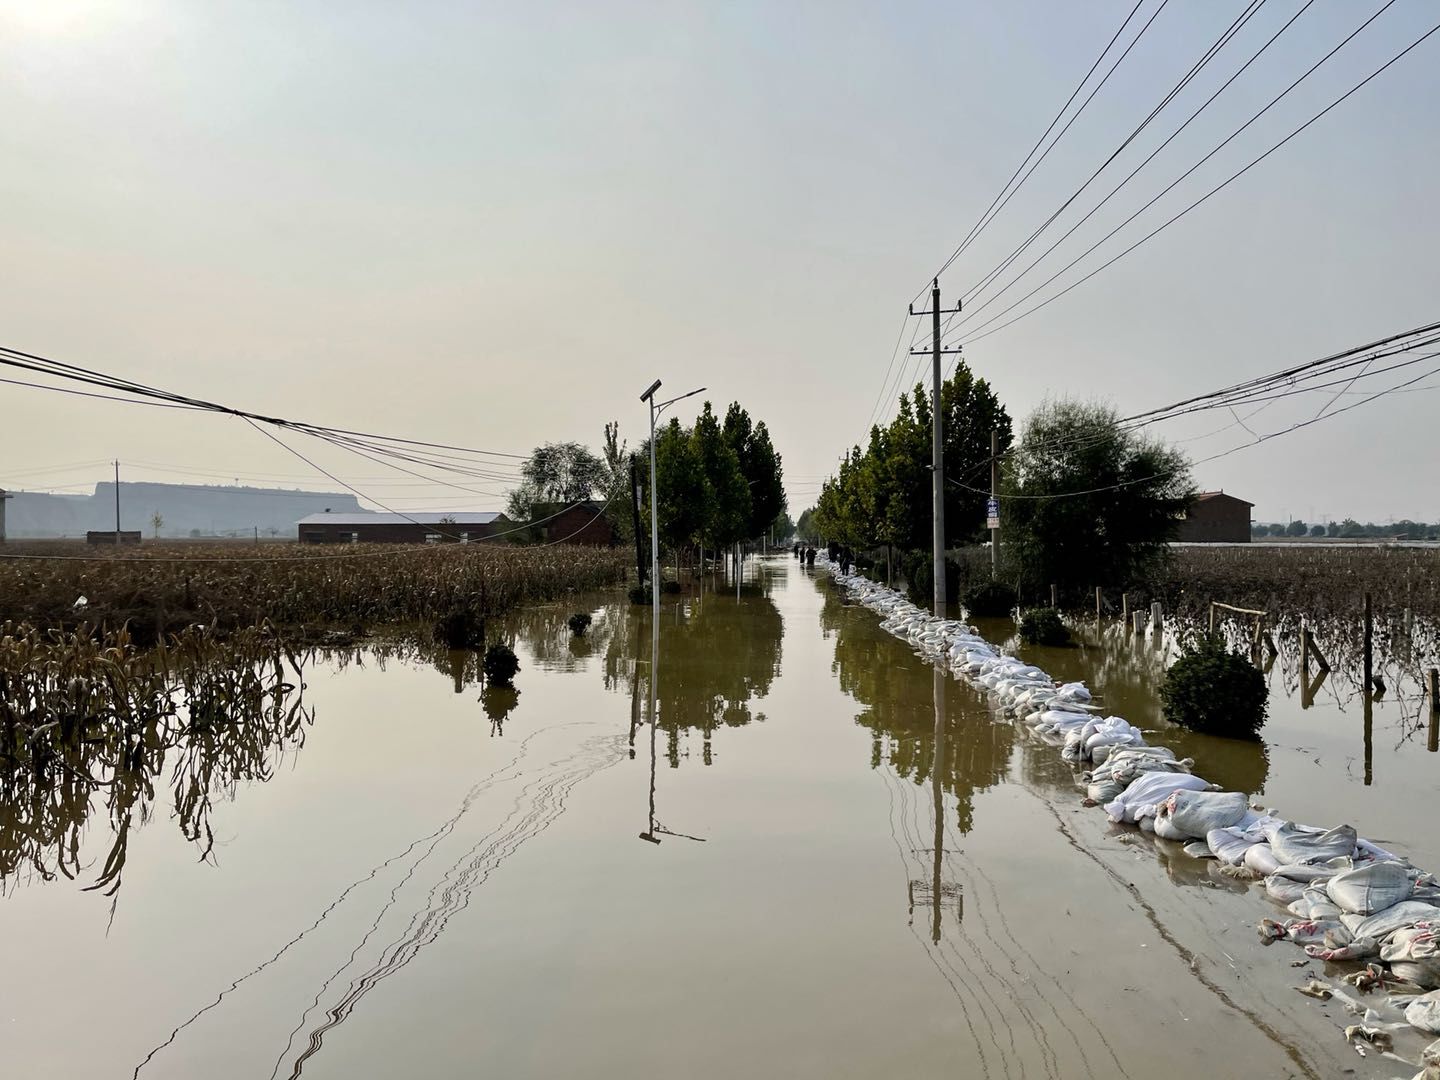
[975, 336]
[1210, 53]
[984, 220]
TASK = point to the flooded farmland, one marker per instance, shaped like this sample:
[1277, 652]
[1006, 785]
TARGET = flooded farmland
[814, 857]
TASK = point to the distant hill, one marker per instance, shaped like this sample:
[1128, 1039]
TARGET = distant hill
[188, 509]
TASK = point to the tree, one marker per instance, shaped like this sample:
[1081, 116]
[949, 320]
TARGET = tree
[782, 528]
[1088, 502]
[616, 484]
[157, 522]
[1296, 528]
[970, 412]
[805, 527]
[564, 472]
[759, 465]
[725, 517]
[681, 489]
[1317, 530]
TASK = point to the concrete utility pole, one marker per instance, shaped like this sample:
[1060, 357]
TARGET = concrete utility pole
[995, 498]
[655, 410]
[117, 502]
[937, 433]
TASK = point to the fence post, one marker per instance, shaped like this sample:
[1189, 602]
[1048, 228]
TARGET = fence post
[1212, 618]
[1052, 596]
[1097, 603]
[1433, 743]
[1156, 619]
[1304, 649]
[1369, 654]
[1124, 607]
[1138, 621]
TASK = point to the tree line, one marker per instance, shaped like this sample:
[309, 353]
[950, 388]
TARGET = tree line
[1083, 499]
[718, 482]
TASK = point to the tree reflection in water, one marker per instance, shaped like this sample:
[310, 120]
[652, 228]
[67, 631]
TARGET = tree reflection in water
[717, 658]
[896, 691]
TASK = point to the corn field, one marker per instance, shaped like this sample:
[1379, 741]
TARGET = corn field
[162, 590]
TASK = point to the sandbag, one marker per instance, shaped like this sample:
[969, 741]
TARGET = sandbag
[1315, 903]
[1384, 923]
[1140, 800]
[1261, 859]
[1304, 844]
[1188, 814]
[1413, 954]
[1229, 845]
[1368, 889]
[1315, 872]
[1284, 890]
[1424, 1012]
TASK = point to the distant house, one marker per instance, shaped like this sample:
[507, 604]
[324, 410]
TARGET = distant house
[3, 496]
[579, 523]
[107, 536]
[1216, 518]
[373, 527]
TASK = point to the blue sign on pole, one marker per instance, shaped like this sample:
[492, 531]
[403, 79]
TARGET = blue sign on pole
[992, 513]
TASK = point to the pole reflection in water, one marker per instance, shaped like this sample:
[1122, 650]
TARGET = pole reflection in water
[937, 794]
[649, 833]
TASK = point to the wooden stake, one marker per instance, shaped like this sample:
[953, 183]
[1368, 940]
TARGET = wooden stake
[1052, 597]
[1097, 603]
[1433, 743]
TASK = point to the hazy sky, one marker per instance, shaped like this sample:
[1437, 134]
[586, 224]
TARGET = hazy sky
[495, 224]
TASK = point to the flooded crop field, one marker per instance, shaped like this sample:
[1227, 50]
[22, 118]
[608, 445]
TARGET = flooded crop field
[811, 856]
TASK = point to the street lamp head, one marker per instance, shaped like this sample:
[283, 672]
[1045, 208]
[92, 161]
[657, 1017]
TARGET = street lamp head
[648, 394]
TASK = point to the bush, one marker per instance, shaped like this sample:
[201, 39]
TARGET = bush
[461, 628]
[500, 664]
[918, 568]
[579, 623]
[1214, 690]
[1042, 626]
[994, 599]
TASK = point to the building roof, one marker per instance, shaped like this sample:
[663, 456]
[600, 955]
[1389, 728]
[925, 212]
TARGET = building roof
[1220, 495]
[428, 517]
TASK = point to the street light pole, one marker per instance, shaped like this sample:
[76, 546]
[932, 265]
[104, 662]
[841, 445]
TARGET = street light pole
[655, 410]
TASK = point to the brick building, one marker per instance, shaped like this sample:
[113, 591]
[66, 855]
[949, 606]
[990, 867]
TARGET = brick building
[373, 527]
[584, 523]
[1216, 518]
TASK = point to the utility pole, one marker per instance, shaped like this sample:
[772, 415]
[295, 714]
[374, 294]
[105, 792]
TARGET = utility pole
[994, 508]
[937, 433]
[117, 502]
[635, 516]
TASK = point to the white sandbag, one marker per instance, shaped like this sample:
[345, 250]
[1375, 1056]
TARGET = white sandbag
[1316, 872]
[1384, 923]
[1261, 859]
[1413, 954]
[1315, 903]
[1424, 1012]
[1368, 889]
[1284, 890]
[1140, 800]
[1229, 844]
[1188, 814]
[1294, 843]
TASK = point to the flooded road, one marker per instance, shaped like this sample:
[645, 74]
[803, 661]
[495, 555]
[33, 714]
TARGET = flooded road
[822, 860]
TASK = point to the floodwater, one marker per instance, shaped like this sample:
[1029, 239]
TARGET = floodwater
[821, 860]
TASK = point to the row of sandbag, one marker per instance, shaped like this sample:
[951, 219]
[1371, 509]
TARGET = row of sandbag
[1349, 899]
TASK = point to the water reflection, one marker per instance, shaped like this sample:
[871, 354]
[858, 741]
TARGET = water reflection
[968, 754]
[210, 726]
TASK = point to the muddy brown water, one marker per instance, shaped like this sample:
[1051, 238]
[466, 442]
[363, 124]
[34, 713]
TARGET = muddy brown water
[788, 875]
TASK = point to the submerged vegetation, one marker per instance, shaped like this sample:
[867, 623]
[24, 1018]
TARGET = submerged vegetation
[1214, 690]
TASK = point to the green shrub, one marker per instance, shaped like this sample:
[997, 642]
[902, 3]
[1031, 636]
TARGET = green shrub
[500, 664]
[994, 599]
[579, 623]
[918, 568]
[1214, 690]
[461, 628]
[1042, 626]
